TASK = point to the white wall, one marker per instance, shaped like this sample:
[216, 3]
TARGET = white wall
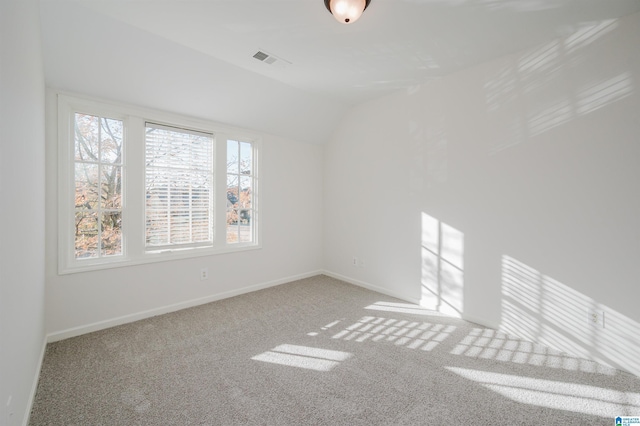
[506, 194]
[291, 222]
[21, 207]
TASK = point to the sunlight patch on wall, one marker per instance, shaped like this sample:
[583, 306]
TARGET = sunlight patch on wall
[409, 334]
[588, 34]
[306, 357]
[539, 308]
[586, 399]
[523, 97]
[501, 88]
[602, 93]
[495, 345]
[538, 66]
[554, 114]
[442, 267]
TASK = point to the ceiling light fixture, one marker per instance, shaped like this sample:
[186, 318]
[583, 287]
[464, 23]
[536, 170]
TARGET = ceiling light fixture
[346, 11]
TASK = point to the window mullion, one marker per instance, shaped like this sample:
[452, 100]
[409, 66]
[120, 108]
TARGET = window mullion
[191, 212]
[220, 195]
[134, 194]
[169, 213]
[99, 189]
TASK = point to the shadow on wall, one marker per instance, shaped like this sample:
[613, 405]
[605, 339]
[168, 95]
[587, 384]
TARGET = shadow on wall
[442, 267]
[539, 308]
[520, 83]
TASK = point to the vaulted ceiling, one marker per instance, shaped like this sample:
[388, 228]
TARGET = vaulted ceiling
[196, 57]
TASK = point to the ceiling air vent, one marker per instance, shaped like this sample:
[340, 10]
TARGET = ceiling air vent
[271, 59]
[261, 56]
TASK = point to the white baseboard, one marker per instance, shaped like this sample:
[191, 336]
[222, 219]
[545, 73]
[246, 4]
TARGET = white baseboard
[34, 385]
[470, 318]
[101, 325]
[480, 321]
[372, 287]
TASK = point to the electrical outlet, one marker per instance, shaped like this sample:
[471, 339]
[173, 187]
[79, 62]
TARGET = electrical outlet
[354, 262]
[204, 274]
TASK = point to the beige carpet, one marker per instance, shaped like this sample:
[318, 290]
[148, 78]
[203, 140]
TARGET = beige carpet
[320, 352]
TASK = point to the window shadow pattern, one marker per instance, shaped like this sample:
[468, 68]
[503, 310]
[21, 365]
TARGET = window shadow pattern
[543, 88]
[442, 272]
[536, 307]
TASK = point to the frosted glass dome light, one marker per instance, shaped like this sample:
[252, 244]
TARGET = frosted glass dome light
[346, 11]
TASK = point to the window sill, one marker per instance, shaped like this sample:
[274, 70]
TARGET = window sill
[151, 257]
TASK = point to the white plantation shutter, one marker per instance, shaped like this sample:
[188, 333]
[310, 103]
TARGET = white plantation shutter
[179, 187]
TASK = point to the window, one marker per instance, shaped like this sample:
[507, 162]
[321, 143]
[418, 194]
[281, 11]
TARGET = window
[98, 165]
[178, 187]
[138, 186]
[240, 184]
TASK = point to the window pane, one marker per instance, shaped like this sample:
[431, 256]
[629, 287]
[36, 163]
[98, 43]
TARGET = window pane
[200, 230]
[232, 226]
[111, 140]
[157, 227]
[244, 225]
[98, 181]
[179, 186]
[201, 150]
[86, 183]
[157, 187]
[201, 197]
[232, 157]
[245, 193]
[179, 227]
[232, 181]
[111, 187]
[86, 137]
[178, 150]
[233, 195]
[179, 193]
[111, 243]
[245, 158]
[157, 149]
[86, 239]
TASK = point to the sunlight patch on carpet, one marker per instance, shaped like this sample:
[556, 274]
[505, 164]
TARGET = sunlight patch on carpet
[403, 308]
[303, 357]
[492, 344]
[410, 334]
[586, 399]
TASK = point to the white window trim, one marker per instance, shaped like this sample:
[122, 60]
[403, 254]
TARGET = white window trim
[134, 251]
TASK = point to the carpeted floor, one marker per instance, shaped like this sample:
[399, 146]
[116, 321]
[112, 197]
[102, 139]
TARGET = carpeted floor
[320, 352]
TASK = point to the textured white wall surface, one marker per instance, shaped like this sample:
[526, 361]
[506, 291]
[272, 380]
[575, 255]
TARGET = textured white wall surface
[22, 280]
[506, 194]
